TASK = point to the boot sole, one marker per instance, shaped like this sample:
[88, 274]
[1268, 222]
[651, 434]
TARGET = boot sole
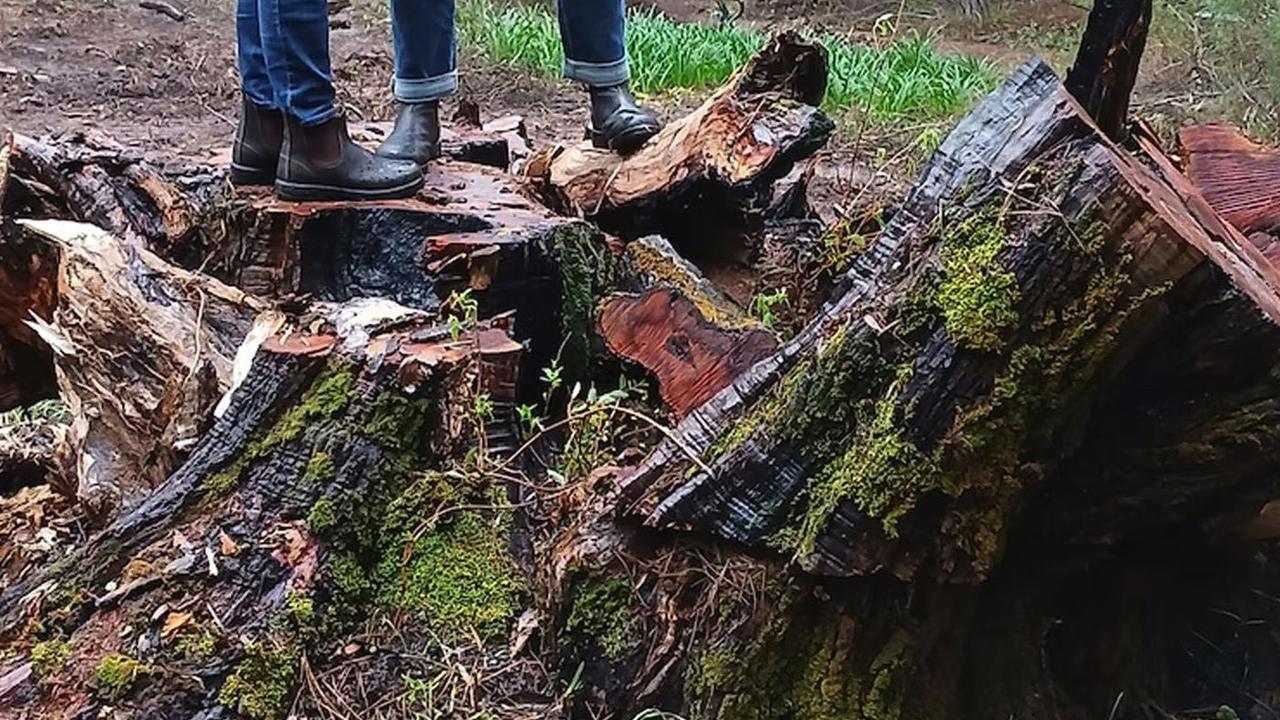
[249, 176]
[626, 143]
[287, 190]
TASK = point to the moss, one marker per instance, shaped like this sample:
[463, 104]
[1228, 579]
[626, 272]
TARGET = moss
[320, 468]
[323, 516]
[262, 683]
[396, 422]
[116, 673]
[889, 671]
[300, 609]
[196, 646]
[976, 295]
[48, 657]
[328, 395]
[656, 264]
[587, 270]
[601, 615]
[717, 670]
[459, 576]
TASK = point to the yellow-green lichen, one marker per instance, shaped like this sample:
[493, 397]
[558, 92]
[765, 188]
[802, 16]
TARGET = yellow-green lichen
[658, 265]
[976, 295]
[48, 657]
[262, 683]
[116, 673]
[601, 615]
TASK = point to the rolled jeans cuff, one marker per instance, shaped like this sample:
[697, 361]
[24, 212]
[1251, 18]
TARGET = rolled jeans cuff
[419, 90]
[598, 74]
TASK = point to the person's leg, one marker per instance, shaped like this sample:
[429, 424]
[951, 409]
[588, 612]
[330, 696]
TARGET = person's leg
[261, 128]
[295, 43]
[423, 35]
[318, 160]
[593, 33]
[595, 54]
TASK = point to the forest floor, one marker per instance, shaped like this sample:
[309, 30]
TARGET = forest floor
[170, 86]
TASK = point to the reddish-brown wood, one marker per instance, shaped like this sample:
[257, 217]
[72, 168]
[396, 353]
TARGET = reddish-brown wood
[1239, 178]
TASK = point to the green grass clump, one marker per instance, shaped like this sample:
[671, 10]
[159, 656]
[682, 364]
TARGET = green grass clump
[904, 77]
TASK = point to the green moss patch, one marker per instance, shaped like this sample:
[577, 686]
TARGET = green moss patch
[262, 683]
[600, 614]
[976, 295]
[48, 657]
[116, 673]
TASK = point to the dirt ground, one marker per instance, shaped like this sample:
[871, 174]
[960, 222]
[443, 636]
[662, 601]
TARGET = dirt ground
[171, 86]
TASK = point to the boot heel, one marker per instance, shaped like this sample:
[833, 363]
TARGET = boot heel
[252, 177]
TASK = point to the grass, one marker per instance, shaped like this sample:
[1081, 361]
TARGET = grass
[1231, 50]
[904, 77]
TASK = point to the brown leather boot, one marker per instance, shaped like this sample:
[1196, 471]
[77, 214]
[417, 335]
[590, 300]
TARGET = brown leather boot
[321, 162]
[256, 149]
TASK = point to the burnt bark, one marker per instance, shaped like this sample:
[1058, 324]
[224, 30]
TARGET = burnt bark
[1106, 65]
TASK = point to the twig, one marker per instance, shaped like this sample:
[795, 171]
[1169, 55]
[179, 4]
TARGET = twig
[164, 8]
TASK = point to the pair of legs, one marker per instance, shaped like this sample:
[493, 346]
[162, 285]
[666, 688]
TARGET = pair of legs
[592, 32]
[595, 52]
[290, 133]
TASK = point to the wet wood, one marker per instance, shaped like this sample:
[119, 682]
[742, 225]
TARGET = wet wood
[1239, 178]
[710, 172]
[678, 326]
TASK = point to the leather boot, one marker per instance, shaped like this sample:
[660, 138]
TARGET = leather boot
[321, 162]
[617, 122]
[416, 135]
[256, 150]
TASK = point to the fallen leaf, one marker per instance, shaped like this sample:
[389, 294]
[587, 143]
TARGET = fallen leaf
[228, 546]
[173, 623]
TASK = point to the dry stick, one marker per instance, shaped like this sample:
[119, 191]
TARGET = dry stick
[163, 8]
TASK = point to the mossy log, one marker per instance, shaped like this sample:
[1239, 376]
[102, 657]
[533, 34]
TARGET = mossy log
[308, 504]
[710, 173]
[975, 361]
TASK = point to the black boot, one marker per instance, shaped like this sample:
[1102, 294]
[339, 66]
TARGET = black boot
[416, 135]
[256, 150]
[617, 122]
[321, 162]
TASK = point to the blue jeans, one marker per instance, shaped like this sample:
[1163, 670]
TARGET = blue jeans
[283, 55]
[422, 30]
[283, 51]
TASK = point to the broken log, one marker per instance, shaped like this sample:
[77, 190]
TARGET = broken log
[144, 351]
[327, 487]
[1106, 66]
[678, 326]
[949, 381]
[1239, 178]
[710, 173]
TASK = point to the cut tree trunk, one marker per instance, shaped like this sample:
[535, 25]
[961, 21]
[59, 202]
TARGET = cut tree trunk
[709, 173]
[679, 327]
[1239, 178]
[905, 428]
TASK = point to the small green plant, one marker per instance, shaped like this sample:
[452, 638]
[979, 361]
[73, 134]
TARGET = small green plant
[762, 306]
[529, 419]
[464, 312]
[482, 407]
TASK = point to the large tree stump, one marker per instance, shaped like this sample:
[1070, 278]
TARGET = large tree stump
[951, 380]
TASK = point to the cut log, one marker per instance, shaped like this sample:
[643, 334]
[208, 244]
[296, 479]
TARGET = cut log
[709, 173]
[319, 494]
[674, 323]
[1106, 66]
[144, 352]
[1239, 178]
[906, 427]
